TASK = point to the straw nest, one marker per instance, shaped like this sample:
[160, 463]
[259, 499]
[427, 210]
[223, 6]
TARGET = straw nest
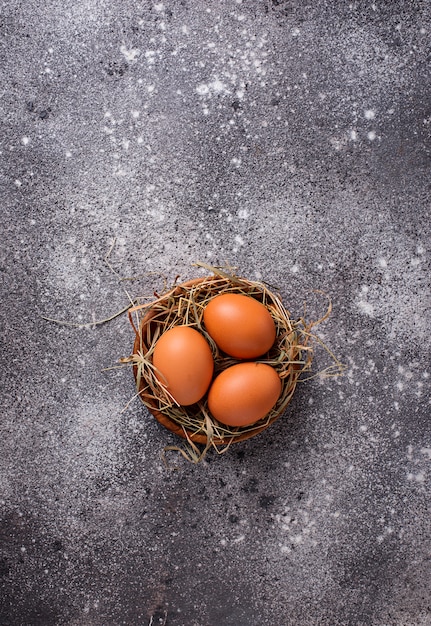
[183, 304]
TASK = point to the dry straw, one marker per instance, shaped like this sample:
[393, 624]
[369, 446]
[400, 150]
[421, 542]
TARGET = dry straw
[184, 304]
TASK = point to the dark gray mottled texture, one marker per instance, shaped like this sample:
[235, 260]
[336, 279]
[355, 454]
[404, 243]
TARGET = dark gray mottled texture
[291, 140]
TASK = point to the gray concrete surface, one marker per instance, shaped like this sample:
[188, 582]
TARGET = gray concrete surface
[291, 140]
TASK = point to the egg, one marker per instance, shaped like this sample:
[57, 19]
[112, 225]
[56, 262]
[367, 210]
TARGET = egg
[184, 364]
[244, 393]
[240, 325]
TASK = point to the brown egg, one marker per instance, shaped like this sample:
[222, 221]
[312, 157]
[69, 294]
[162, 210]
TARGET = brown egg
[244, 393]
[184, 364]
[240, 325]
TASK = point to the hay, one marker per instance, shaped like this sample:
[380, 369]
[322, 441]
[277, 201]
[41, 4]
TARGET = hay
[184, 304]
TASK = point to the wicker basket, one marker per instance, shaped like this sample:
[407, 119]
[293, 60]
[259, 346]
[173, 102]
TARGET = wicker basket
[184, 304]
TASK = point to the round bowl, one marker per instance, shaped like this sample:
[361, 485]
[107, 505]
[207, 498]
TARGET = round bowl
[184, 303]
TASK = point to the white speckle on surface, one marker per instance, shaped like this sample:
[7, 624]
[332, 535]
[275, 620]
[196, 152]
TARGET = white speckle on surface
[239, 240]
[150, 56]
[366, 307]
[202, 90]
[235, 161]
[68, 154]
[294, 269]
[353, 135]
[336, 143]
[419, 477]
[25, 141]
[218, 86]
[18, 183]
[243, 214]
[371, 135]
[129, 55]
[369, 114]
[382, 262]
[215, 86]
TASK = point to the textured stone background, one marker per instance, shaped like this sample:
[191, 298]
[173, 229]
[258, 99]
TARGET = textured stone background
[291, 140]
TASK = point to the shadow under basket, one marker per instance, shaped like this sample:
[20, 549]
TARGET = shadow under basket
[184, 305]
